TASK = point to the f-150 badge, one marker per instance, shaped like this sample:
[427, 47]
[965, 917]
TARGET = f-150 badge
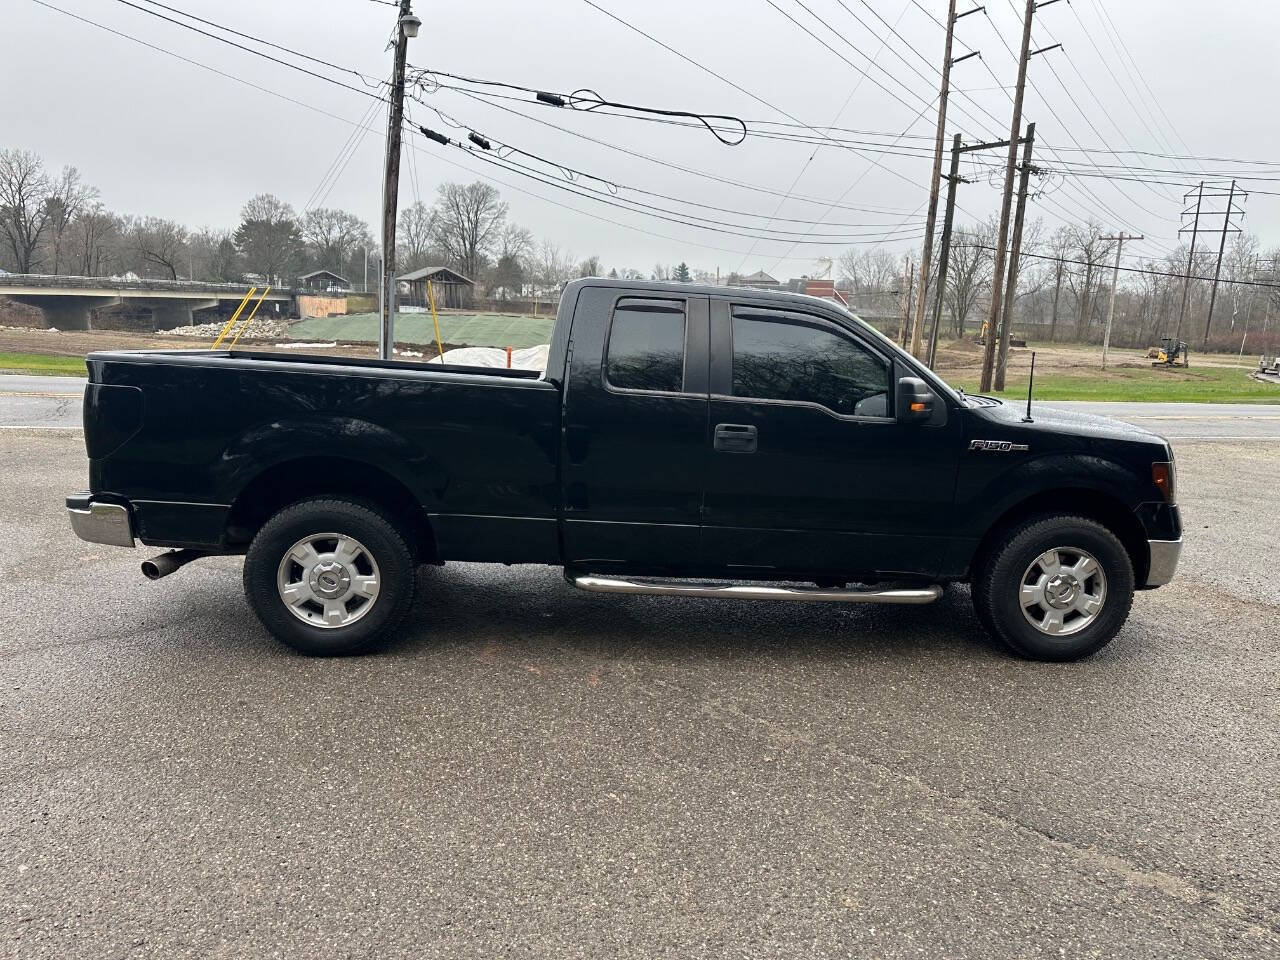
[997, 446]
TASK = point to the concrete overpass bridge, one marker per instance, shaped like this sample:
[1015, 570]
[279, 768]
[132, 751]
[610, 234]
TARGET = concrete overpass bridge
[69, 302]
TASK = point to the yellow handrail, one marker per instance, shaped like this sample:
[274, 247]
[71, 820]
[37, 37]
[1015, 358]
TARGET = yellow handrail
[431, 298]
[232, 322]
[252, 313]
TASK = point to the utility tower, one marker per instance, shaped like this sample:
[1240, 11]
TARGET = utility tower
[931, 217]
[1211, 203]
[1222, 245]
[1115, 277]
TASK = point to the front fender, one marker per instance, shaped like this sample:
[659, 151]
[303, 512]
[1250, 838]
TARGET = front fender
[987, 489]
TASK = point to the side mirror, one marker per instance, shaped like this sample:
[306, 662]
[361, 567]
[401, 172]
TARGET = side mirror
[915, 401]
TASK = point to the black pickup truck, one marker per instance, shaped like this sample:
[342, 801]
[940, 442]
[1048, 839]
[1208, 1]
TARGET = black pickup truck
[683, 440]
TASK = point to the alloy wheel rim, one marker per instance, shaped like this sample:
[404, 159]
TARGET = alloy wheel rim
[1062, 591]
[328, 580]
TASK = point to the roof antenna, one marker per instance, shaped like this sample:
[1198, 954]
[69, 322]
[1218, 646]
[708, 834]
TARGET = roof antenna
[1030, 383]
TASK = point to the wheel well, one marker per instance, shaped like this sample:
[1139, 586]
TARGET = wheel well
[1106, 510]
[294, 480]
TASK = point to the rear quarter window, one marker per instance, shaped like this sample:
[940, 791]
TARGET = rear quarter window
[646, 349]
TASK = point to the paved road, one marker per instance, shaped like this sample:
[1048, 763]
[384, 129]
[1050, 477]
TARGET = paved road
[529, 771]
[55, 402]
[46, 402]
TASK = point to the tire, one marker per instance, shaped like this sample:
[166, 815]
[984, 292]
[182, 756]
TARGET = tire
[336, 610]
[1070, 574]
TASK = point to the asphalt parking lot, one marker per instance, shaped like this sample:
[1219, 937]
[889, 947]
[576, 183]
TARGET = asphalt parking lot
[534, 771]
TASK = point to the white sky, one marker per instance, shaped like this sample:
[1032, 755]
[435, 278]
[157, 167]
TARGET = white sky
[160, 136]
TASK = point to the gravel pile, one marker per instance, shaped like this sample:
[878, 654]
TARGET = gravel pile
[261, 328]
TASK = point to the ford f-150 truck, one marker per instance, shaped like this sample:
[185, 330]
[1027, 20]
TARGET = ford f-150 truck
[684, 440]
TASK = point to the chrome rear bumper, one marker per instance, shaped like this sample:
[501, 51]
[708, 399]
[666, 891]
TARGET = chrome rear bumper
[1164, 561]
[100, 522]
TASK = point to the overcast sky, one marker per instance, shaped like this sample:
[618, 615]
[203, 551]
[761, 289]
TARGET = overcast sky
[161, 136]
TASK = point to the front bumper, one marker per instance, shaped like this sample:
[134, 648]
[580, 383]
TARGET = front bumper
[99, 522]
[1164, 561]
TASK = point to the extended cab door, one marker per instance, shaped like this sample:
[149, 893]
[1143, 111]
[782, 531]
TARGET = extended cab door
[810, 472]
[635, 426]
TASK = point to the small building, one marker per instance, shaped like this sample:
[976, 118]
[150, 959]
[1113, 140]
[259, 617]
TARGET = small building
[451, 288]
[758, 280]
[325, 280]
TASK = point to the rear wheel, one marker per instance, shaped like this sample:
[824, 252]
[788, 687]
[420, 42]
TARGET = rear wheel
[329, 576]
[1055, 588]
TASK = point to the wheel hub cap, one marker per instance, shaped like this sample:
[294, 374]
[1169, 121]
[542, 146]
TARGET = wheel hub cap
[328, 580]
[1063, 591]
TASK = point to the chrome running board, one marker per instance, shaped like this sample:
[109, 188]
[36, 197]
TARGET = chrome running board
[735, 591]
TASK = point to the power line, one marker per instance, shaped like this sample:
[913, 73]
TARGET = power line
[705, 69]
[257, 53]
[756, 188]
[616, 199]
[1140, 270]
[595, 216]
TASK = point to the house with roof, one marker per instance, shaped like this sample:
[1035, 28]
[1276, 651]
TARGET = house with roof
[451, 288]
[323, 280]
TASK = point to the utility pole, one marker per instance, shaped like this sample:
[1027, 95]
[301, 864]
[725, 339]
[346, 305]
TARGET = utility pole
[905, 321]
[1222, 245]
[1010, 294]
[1115, 277]
[406, 26]
[931, 217]
[989, 350]
[944, 255]
[1186, 282]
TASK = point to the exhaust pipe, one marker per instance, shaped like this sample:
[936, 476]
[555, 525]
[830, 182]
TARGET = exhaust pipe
[167, 563]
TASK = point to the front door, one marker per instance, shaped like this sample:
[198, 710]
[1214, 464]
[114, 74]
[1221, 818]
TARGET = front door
[810, 472]
[635, 427]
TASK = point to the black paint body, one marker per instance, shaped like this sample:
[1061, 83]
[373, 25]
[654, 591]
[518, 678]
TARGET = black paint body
[570, 469]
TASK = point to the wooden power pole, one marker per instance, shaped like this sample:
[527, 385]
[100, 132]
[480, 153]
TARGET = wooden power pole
[1006, 202]
[1115, 278]
[406, 25]
[931, 216]
[1011, 289]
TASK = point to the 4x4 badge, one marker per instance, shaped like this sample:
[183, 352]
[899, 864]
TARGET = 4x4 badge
[997, 446]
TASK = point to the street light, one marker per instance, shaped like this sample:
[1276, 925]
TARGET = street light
[410, 23]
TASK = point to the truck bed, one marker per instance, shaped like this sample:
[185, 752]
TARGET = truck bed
[203, 442]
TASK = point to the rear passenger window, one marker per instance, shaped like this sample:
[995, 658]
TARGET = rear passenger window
[646, 346]
[789, 358]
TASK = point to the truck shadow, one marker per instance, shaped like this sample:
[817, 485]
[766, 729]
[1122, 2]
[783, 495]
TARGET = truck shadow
[473, 604]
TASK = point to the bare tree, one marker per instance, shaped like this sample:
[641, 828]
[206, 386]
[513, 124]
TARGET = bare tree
[91, 240]
[554, 267]
[468, 222]
[873, 270]
[332, 236]
[160, 243]
[969, 272]
[1059, 247]
[25, 189]
[69, 195]
[591, 267]
[1089, 246]
[517, 242]
[214, 255]
[414, 235]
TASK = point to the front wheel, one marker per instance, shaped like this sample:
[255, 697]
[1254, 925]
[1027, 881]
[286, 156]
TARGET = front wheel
[1055, 588]
[329, 576]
